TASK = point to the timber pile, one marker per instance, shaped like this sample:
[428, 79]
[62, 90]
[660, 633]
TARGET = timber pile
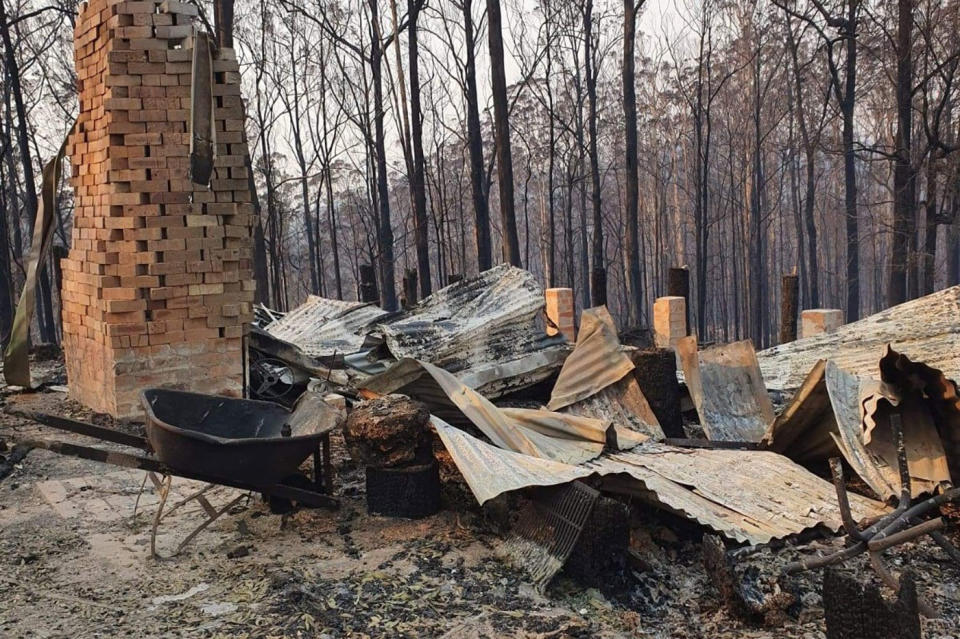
[158, 282]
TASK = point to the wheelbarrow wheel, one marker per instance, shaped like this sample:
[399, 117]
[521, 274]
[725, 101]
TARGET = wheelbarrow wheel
[282, 505]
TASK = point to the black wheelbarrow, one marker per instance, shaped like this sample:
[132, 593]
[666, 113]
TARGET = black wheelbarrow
[247, 444]
[259, 443]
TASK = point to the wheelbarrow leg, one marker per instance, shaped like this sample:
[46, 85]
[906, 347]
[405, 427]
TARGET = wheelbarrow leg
[322, 468]
[212, 513]
[327, 466]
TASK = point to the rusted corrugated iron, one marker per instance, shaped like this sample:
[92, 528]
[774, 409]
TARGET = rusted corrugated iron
[548, 435]
[322, 327]
[727, 389]
[748, 496]
[483, 319]
[838, 413]
[484, 329]
[926, 329]
[492, 471]
[595, 363]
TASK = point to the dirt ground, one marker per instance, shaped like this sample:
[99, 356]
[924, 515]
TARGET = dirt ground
[74, 561]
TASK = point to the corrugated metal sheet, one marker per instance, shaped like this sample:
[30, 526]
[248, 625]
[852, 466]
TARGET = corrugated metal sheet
[491, 471]
[623, 404]
[523, 431]
[484, 329]
[595, 363]
[322, 327]
[485, 319]
[524, 364]
[803, 430]
[925, 329]
[836, 412]
[748, 496]
[727, 389]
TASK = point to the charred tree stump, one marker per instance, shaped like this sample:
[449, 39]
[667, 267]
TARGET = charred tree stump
[790, 300]
[678, 285]
[387, 432]
[656, 374]
[390, 436]
[368, 284]
[599, 559]
[856, 611]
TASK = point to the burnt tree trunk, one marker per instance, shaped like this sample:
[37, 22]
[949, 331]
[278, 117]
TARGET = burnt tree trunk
[903, 200]
[508, 216]
[475, 145]
[632, 188]
[598, 275]
[385, 228]
[416, 125]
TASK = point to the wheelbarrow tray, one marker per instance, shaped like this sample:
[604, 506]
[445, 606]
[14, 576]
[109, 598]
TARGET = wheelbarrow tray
[238, 439]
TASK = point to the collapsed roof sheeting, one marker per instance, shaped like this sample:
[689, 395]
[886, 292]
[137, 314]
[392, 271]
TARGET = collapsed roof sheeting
[836, 412]
[622, 403]
[539, 433]
[595, 363]
[748, 496]
[483, 319]
[727, 390]
[925, 329]
[323, 327]
[491, 471]
[483, 329]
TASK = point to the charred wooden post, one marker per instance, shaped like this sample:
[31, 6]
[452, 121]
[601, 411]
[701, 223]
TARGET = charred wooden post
[656, 374]
[789, 303]
[856, 611]
[368, 284]
[598, 285]
[747, 602]
[678, 285]
[410, 288]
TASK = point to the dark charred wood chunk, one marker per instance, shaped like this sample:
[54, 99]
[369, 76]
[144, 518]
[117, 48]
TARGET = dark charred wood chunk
[743, 594]
[859, 611]
[600, 557]
[412, 492]
[656, 374]
[368, 284]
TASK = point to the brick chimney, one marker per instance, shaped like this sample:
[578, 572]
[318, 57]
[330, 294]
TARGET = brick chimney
[158, 283]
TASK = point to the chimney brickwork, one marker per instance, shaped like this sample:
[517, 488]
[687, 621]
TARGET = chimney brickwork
[158, 283]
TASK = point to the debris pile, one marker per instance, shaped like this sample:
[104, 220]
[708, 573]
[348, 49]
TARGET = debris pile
[594, 445]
